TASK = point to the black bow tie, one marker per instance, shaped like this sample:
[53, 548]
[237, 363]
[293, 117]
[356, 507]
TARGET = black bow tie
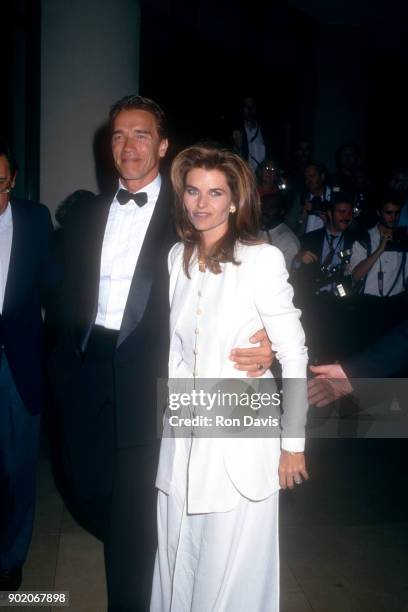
[124, 196]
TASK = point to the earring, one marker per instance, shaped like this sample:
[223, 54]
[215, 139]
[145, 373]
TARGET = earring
[232, 208]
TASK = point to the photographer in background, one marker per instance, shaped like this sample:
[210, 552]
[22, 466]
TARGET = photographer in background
[308, 207]
[322, 280]
[317, 197]
[379, 264]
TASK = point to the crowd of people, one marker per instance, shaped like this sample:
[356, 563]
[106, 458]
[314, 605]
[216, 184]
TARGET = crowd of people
[206, 275]
[345, 246]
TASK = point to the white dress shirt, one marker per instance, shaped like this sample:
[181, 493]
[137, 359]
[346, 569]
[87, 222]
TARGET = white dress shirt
[388, 263]
[285, 240]
[6, 238]
[256, 146]
[123, 240]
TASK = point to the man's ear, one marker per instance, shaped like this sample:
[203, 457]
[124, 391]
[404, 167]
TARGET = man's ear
[13, 180]
[163, 146]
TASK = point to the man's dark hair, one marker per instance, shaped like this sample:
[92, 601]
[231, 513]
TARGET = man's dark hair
[75, 199]
[6, 150]
[390, 195]
[133, 102]
[340, 197]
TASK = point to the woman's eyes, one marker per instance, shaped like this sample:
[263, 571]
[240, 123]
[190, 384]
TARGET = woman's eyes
[192, 191]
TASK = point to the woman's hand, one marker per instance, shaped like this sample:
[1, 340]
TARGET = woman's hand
[292, 469]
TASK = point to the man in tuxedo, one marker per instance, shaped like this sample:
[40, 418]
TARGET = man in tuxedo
[26, 284]
[115, 346]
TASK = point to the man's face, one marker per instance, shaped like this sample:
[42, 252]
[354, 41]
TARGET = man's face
[389, 215]
[341, 217]
[6, 182]
[314, 180]
[137, 147]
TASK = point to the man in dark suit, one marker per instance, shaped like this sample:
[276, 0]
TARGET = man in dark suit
[115, 347]
[388, 357]
[26, 283]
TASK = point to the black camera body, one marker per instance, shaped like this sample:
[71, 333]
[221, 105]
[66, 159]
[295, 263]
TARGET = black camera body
[319, 206]
[336, 275]
[399, 242]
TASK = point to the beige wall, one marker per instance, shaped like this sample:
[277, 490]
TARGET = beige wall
[90, 58]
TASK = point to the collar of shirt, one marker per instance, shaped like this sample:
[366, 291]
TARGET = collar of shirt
[326, 194]
[252, 130]
[6, 219]
[152, 190]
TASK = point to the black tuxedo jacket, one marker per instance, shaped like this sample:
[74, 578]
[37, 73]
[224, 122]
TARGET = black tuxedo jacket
[141, 355]
[30, 285]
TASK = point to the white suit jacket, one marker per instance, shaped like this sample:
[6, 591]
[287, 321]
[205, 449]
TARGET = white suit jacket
[236, 303]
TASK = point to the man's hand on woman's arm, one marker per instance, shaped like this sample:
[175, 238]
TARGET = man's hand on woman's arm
[256, 360]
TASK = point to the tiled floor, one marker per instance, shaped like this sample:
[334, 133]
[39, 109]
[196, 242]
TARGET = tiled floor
[344, 537]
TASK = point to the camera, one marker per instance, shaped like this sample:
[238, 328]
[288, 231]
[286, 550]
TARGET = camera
[281, 180]
[399, 240]
[337, 276]
[319, 206]
[345, 256]
[358, 205]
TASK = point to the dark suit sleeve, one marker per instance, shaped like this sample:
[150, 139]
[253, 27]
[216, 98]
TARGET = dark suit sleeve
[49, 275]
[385, 358]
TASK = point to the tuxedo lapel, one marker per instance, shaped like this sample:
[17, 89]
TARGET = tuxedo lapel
[146, 265]
[89, 258]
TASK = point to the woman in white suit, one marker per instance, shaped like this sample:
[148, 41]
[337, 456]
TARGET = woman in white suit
[218, 497]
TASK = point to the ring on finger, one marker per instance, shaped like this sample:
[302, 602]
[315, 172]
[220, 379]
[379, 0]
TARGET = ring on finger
[260, 366]
[297, 480]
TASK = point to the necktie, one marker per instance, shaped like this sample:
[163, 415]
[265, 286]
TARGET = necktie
[330, 254]
[123, 196]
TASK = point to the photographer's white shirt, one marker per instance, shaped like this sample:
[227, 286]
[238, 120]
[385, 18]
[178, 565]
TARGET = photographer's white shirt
[389, 263]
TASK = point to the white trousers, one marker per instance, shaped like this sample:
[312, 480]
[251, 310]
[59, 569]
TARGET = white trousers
[216, 562]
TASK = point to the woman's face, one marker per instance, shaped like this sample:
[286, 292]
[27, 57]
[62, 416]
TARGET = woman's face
[207, 199]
